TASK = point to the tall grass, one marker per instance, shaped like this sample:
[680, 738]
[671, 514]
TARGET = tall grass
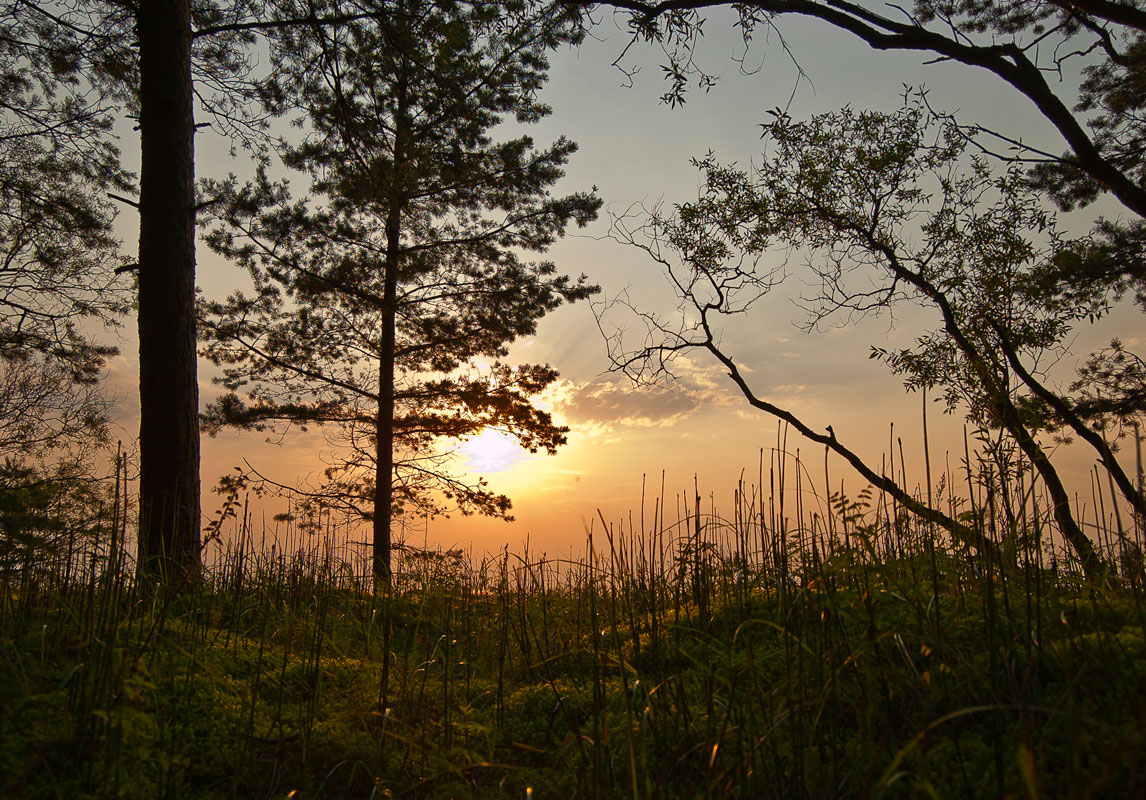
[796, 642]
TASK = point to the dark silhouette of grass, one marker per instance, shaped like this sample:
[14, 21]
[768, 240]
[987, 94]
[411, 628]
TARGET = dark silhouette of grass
[791, 645]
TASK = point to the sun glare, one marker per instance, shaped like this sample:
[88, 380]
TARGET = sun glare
[491, 451]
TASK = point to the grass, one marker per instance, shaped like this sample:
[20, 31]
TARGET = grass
[790, 648]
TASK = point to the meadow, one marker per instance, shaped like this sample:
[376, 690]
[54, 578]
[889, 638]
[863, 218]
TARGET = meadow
[783, 644]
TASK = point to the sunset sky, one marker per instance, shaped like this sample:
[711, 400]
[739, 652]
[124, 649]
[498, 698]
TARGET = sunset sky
[636, 151]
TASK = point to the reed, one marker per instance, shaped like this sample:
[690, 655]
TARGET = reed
[800, 642]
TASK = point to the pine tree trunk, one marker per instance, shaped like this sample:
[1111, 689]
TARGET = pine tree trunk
[168, 390]
[384, 469]
[384, 426]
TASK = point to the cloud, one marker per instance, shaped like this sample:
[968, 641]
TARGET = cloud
[602, 406]
[789, 390]
[639, 406]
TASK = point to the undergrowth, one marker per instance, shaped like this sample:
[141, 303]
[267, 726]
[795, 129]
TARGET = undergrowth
[838, 650]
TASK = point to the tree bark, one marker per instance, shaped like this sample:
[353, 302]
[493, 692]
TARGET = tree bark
[384, 427]
[169, 540]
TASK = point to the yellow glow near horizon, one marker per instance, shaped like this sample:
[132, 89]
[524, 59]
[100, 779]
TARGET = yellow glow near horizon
[491, 451]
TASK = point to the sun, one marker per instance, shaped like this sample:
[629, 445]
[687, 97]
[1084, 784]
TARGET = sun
[491, 451]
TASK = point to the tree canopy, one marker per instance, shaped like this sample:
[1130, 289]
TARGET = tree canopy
[986, 360]
[883, 209]
[383, 303]
[58, 257]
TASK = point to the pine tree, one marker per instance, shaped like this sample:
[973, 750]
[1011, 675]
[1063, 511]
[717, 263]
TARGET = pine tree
[384, 302]
[61, 277]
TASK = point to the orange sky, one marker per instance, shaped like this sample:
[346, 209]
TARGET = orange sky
[636, 150]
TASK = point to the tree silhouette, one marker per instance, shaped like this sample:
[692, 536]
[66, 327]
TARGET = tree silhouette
[383, 303]
[887, 208]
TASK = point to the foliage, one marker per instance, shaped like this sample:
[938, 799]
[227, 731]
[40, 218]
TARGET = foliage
[871, 661]
[67, 70]
[42, 410]
[401, 279]
[887, 208]
[57, 159]
[1112, 387]
[1021, 44]
[52, 512]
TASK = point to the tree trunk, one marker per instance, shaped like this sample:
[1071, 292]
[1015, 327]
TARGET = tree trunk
[384, 428]
[1009, 417]
[169, 540]
[1090, 559]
